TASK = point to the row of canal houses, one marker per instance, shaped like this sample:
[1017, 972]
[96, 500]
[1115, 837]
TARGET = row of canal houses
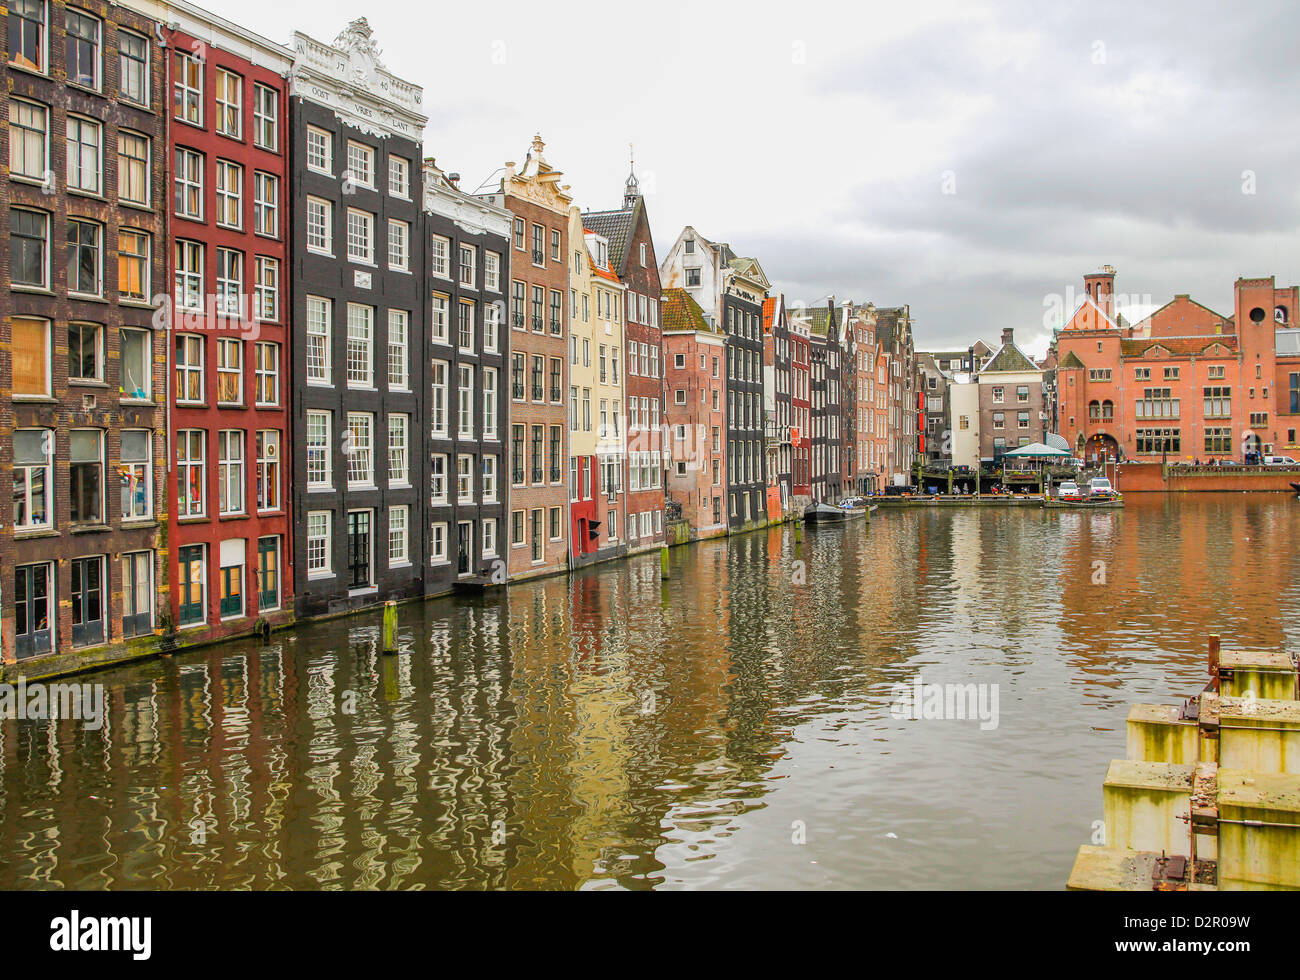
[325, 376]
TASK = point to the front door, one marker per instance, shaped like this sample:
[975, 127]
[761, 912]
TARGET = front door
[33, 601]
[464, 547]
[87, 601]
[268, 574]
[359, 549]
[137, 597]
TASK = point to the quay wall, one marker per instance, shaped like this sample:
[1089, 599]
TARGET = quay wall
[1157, 478]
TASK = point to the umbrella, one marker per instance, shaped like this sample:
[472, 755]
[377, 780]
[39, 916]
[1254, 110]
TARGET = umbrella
[1037, 450]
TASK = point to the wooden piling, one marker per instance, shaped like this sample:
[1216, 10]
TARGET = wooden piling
[390, 626]
[665, 572]
[1214, 655]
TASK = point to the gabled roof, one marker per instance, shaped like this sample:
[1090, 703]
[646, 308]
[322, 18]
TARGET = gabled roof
[616, 227]
[1009, 357]
[679, 311]
[1089, 316]
[1071, 360]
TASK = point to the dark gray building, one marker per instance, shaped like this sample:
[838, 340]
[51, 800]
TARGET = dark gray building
[361, 391]
[467, 270]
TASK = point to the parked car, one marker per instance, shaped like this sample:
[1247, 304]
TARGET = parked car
[1099, 486]
[1279, 461]
[1068, 489]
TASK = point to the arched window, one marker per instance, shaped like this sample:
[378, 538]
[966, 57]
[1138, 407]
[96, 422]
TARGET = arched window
[1108, 410]
[1094, 410]
[1280, 314]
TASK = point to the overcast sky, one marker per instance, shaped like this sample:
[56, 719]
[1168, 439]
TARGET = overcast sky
[822, 138]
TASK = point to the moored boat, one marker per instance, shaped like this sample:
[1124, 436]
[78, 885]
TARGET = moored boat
[825, 514]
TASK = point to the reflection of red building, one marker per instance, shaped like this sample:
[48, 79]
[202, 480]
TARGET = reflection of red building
[800, 414]
[227, 489]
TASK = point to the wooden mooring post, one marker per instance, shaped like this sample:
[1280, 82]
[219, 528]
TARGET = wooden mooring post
[390, 626]
[665, 571]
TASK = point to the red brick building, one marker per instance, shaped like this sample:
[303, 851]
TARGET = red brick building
[800, 415]
[1186, 383]
[230, 553]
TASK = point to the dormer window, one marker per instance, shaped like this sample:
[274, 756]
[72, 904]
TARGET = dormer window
[690, 246]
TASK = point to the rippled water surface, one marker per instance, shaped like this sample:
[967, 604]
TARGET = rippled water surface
[610, 731]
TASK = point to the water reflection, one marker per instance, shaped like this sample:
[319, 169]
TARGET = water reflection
[728, 727]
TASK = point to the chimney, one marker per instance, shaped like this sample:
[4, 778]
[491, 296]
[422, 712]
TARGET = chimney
[1008, 334]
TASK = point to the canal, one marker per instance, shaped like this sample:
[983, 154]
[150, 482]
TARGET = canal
[737, 726]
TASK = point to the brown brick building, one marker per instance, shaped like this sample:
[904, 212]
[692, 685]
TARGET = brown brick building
[537, 528]
[82, 383]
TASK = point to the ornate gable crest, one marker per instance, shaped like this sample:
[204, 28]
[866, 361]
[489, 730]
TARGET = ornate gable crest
[358, 43]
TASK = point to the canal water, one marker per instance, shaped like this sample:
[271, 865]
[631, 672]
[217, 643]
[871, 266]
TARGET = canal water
[739, 726]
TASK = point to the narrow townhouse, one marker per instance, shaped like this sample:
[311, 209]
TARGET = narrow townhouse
[83, 436]
[539, 541]
[467, 271]
[777, 377]
[361, 387]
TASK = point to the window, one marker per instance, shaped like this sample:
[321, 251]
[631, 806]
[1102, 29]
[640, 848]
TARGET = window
[133, 249]
[465, 325]
[1157, 403]
[465, 401]
[86, 476]
[266, 296]
[360, 449]
[555, 246]
[320, 150]
[191, 472]
[319, 460]
[535, 534]
[1159, 441]
[399, 176]
[33, 478]
[266, 204]
[490, 536]
[556, 527]
[136, 364]
[491, 326]
[268, 469]
[1171, 374]
[438, 478]
[230, 194]
[517, 528]
[465, 479]
[27, 34]
[83, 40]
[1218, 440]
[319, 317]
[230, 104]
[361, 164]
[438, 543]
[557, 306]
[28, 139]
[489, 479]
[267, 373]
[361, 241]
[29, 233]
[360, 554]
[535, 455]
[230, 371]
[230, 471]
[440, 382]
[517, 455]
[398, 373]
[85, 352]
[187, 90]
[539, 237]
[84, 157]
[1216, 372]
[84, 266]
[320, 231]
[519, 234]
[517, 313]
[557, 366]
[398, 535]
[230, 281]
[1142, 374]
[438, 315]
[440, 256]
[266, 117]
[492, 271]
[692, 277]
[1022, 393]
[189, 275]
[468, 265]
[360, 331]
[133, 67]
[489, 403]
[398, 459]
[189, 368]
[556, 437]
[189, 184]
[318, 544]
[1217, 402]
[399, 237]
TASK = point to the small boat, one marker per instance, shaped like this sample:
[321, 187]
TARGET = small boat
[825, 514]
